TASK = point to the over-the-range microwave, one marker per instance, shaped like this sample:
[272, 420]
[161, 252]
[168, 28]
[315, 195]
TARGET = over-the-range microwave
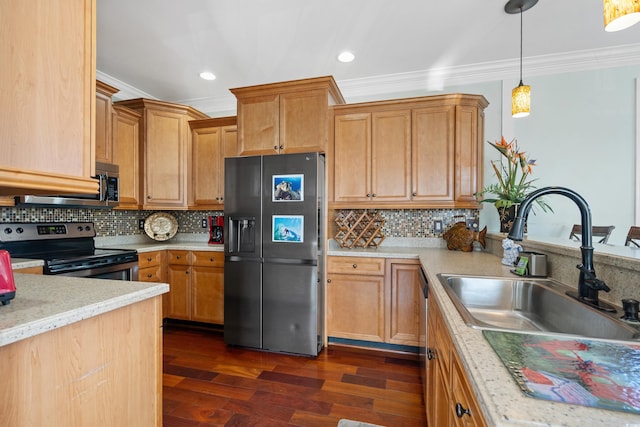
[108, 176]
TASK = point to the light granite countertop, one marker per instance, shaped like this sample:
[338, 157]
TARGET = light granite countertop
[501, 400]
[43, 303]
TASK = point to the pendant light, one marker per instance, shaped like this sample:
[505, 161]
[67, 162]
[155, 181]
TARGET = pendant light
[520, 95]
[620, 14]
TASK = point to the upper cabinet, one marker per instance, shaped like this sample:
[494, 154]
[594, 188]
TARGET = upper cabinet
[418, 152]
[287, 117]
[166, 151]
[104, 139]
[48, 96]
[126, 154]
[212, 140]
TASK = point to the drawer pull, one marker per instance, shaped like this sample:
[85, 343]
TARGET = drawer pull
[177, 256]
[149, 259]
[212, 259]
[149, 275]
[355, 265]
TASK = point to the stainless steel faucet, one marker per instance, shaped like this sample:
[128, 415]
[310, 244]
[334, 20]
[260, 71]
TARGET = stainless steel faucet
[588, 283]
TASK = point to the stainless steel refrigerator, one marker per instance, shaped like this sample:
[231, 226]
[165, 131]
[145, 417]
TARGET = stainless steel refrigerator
[274, 252]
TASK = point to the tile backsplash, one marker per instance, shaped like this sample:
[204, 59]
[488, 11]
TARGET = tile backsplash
[398, 222]
[108, 222]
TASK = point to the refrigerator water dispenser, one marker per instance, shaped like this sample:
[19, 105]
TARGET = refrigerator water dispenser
[242, 235]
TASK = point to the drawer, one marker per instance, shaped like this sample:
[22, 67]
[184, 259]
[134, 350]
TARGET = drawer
[151, 274]
[208, 258]
[179, 257]
[356, 265]
[147, 259]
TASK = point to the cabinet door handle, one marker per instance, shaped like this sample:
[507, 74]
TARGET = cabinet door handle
[373, 195]
[328, 280]
[461, 410]
[186, 272]
[282, 147]
[414, 194]
[431, 354]
[368, 194]
[149, 197]
[275, 147]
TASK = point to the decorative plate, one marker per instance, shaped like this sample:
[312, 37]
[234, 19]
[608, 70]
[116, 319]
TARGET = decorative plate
[161, 226]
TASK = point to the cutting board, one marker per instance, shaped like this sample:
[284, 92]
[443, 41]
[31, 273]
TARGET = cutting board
[600, 374]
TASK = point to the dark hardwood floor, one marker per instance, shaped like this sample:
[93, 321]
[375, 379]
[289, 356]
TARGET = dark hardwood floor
[207, 383]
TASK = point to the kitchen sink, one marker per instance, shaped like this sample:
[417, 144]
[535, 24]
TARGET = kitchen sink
[530, 305]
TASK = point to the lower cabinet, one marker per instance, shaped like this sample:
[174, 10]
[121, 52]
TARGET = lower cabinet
[373, 299]
[151, 266]
[196, 280]
[449, 398]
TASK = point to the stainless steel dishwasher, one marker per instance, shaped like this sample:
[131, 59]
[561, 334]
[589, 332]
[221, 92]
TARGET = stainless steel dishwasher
[424, 287]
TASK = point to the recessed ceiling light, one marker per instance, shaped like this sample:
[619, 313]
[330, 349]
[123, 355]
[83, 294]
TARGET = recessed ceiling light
[208, 75]
[346, 56]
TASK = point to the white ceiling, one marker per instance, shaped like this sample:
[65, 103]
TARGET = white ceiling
[157, 48]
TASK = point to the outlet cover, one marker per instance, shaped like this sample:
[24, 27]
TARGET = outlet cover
[437, 226]
[204, 223]
[141, 224]
[472, 223]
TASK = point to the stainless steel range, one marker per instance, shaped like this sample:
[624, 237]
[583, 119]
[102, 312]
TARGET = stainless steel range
[68, 249]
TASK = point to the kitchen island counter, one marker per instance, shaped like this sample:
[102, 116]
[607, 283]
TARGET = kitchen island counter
[501, 400]
[80, 351]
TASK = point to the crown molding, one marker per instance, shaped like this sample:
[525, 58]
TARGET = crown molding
[126, 90]
[434, 79]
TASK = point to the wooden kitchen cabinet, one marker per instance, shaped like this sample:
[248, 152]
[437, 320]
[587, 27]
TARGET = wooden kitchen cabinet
[405, 297]
[166, 151]
[373, 299]
[104, 117]
[208, 287]
[417, 152]
[212, 141]
[29, 270]
[126, 154]
[48, 99]
[287, 117]
[356, 298]
[450, 399]
[372, 157]
[196, 281]
[151, 266]
[433, 153]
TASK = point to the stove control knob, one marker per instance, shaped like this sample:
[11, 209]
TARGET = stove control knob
[80, 228]
[87, 228]
[8, 230]
[19, 230]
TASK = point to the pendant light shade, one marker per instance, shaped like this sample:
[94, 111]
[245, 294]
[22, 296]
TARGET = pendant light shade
[620, 14]
[521, 100]
[520, 95]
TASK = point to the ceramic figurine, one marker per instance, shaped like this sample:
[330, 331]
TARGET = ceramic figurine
[461, 237]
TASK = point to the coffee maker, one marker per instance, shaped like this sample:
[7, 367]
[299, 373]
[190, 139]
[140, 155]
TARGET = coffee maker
[216, 230]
